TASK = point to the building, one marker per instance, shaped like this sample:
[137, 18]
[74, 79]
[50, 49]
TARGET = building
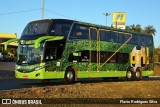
[12, 48]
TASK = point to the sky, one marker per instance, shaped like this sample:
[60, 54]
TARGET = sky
[15, 14]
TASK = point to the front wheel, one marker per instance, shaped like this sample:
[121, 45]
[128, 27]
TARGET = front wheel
[69, 76]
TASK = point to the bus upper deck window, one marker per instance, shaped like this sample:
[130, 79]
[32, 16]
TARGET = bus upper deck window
[60, 29]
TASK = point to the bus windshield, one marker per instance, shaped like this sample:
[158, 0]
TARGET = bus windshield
[27, 54]
[41, 28]
[36, 28]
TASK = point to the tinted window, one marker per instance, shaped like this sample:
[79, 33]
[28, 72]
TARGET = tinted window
[122, 57]
[104, 56]
[102, 35]
[145, 40]
[111, 36]
[133, 40]
[60, 29]
[122, 38]
[139, 39]
[149, 41]
[36, 28]
[93, 34]
[79, 32]
[83, 57]
[53, 50]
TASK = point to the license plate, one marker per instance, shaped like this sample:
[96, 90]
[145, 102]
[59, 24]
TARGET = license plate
[25, 77]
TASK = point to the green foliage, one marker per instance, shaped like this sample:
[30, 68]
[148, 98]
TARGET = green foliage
[157, 54]
[150, 30]
[137, 28]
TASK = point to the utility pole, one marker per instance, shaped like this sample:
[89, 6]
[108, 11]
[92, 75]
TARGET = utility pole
[42, 9]
[106, 14]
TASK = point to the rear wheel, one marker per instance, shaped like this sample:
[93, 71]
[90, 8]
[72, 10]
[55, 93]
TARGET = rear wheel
[69, 76]
[130, 75]
[138, 74]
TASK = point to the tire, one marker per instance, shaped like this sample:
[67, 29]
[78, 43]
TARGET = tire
[69, 76]
[130, 74]
[138, 74]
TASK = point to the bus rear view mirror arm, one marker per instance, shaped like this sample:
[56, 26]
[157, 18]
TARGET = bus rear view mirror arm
[8, 42]
[47, 38]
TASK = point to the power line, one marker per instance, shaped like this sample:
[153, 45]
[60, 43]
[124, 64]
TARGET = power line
[59, 14]
[19, 11]
[23, 11]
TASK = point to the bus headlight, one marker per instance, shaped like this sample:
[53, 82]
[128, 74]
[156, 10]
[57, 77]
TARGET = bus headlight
[38, 68]
[18, 67]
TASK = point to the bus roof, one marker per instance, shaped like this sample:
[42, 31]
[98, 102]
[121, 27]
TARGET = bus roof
[93, 25]
[111, 28]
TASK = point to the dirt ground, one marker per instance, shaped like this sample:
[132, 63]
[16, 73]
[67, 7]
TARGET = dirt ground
[95, 93]
[92, 93]
[122, 89]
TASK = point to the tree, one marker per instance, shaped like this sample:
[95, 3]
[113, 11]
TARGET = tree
[150, 30]
[136, 28]
[128, 28]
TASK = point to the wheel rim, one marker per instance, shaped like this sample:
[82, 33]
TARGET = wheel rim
[129, 74]
[70, 76]
[138, 74]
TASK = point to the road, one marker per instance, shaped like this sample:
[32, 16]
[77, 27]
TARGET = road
[9, 82]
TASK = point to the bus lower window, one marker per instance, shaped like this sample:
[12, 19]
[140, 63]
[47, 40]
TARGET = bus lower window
[84, 57]
[122, 57]
[104, 56]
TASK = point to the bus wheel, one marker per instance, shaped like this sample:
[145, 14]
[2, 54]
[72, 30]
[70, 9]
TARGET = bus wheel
[69, 76]
[130, 75]
[138, 74]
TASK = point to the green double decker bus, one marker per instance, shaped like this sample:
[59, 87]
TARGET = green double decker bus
[70, 50]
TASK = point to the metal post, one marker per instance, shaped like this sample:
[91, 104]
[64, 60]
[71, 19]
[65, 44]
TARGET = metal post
[42, 9]
[106, 14]
[106, 20]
